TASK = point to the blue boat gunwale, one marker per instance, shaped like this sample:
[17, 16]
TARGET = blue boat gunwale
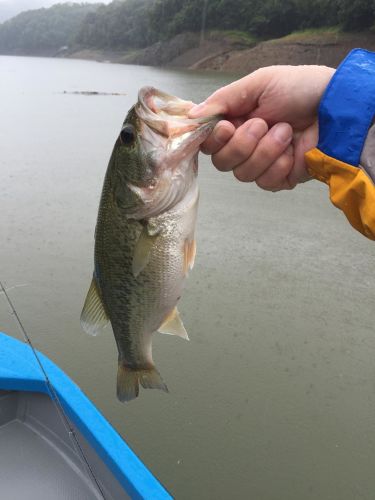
[20, 371]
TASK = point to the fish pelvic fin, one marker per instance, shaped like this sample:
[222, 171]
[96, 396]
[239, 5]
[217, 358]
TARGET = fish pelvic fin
[128, 381]
[93, 316]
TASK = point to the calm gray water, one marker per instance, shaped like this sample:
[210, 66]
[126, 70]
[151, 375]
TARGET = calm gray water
[274, 396]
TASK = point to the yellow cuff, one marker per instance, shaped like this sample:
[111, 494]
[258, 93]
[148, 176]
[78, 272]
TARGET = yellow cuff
[350, 189]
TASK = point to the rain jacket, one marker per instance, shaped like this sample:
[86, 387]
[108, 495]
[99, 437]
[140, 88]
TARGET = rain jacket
[345, 156]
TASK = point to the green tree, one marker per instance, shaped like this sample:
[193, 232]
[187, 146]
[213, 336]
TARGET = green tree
[356, 14]
[317, 13]
[119, 25]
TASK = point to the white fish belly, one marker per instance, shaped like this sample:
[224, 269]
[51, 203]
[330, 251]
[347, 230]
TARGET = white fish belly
[168, 260]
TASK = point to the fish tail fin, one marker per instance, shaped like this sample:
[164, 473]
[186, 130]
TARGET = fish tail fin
[128, 381]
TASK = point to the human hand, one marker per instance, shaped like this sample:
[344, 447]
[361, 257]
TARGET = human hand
[271, 122]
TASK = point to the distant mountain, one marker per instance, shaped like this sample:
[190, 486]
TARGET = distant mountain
[44, 31]
[10, 8]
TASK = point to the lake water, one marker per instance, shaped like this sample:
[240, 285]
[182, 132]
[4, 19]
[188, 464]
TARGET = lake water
[274, 396]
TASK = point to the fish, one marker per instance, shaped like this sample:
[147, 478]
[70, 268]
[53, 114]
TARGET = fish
[144, 237]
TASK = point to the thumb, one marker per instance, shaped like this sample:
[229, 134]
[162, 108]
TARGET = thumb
[236, 99]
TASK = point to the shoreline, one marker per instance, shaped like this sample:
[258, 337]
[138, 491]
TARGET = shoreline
[229, 54]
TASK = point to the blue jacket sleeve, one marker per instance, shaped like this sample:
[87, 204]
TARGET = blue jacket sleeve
[346, 113]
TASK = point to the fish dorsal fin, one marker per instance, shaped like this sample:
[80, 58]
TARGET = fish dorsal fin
[143, 249]
[173, 325]
[93, 316]
[190, 249]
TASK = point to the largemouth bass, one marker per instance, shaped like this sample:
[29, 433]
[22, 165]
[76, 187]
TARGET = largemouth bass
[144, 239]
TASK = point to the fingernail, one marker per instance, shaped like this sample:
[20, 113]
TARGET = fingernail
[257, 129]
[197, 110]
[282, 132]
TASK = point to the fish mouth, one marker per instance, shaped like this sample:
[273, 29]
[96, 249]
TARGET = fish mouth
[166, 118]
[168, 142]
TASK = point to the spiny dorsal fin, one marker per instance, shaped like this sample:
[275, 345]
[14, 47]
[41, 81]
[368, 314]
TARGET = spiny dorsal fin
[190, 249]
[173, 325]
[93, 316]
[142, 250]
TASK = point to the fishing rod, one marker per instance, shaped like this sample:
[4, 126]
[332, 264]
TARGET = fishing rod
[54, 396]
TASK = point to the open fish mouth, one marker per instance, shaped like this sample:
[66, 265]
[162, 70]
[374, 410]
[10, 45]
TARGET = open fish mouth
[168, 142]
[167, 116]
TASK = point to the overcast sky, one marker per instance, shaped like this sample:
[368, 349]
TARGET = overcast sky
[10, 8]
[47, 3]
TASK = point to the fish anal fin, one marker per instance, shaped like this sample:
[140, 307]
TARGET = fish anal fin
[128, 380]
[93, 316]
[173, 325]
[142, 251]
[190, 250]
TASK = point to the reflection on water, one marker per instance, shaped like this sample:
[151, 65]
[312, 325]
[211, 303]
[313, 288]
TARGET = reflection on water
[274, 396]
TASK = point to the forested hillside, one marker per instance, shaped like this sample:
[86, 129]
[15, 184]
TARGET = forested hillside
[121, 24]
[43, 29]
[137, 23]
[132, 24]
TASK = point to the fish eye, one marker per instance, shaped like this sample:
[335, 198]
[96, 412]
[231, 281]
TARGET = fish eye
[127, 134]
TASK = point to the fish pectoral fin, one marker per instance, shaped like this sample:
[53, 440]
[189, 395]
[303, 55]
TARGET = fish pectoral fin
[142, 250]
[173, 325]
[190, 249]
[93, 316]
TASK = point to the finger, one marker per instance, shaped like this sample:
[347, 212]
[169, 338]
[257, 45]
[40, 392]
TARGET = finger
[303, 142]
[237, 122]
[241, 145]
[275, 177]
[236, 99]
[221, 134]
[269, 149]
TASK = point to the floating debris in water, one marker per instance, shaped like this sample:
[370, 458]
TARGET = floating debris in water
[92, 92]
